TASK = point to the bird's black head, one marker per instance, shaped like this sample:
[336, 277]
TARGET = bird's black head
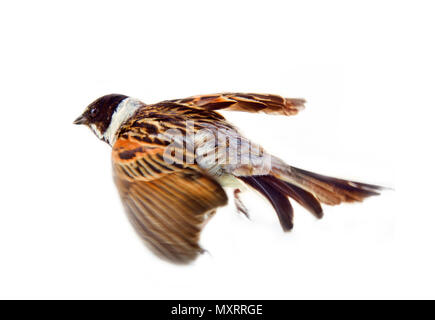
[98, 115]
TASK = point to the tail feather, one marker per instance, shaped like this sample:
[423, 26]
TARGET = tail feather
[308, 189]
[279, 200]
[304, 198]
[329, 190]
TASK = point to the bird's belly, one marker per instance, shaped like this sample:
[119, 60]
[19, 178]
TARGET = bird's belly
[230, 181]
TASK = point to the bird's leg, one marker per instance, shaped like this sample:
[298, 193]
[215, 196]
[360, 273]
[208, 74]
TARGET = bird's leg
[239, 204]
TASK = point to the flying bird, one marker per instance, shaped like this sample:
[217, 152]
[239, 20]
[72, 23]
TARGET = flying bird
[172, 160]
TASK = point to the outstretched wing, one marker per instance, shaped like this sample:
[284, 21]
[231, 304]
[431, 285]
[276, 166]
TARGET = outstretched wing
[247, 102]
[167, 204]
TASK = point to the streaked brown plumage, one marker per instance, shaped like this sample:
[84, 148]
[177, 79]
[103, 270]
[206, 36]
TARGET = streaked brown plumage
[169, 202]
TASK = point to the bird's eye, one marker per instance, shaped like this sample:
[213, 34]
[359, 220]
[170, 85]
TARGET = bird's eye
[93, 112]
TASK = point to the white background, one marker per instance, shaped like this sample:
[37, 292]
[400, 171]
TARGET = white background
[367, 71]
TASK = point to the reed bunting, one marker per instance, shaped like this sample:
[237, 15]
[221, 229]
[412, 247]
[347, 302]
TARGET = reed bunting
[172, 159]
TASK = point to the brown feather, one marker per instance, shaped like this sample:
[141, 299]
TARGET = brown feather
[167, 208]
[247, 102]
[328, 190]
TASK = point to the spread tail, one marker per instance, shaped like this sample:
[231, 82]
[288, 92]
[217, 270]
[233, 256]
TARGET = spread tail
[329, 190]
[308, 189]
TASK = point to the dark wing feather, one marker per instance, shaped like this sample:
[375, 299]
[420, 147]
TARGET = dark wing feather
[168, 205]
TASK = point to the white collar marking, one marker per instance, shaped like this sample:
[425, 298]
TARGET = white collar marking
[123, 112]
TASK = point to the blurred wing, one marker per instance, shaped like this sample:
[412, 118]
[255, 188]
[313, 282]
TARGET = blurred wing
[247, 102]
[168, 205]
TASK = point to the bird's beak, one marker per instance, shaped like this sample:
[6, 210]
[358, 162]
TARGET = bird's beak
[80, 120]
